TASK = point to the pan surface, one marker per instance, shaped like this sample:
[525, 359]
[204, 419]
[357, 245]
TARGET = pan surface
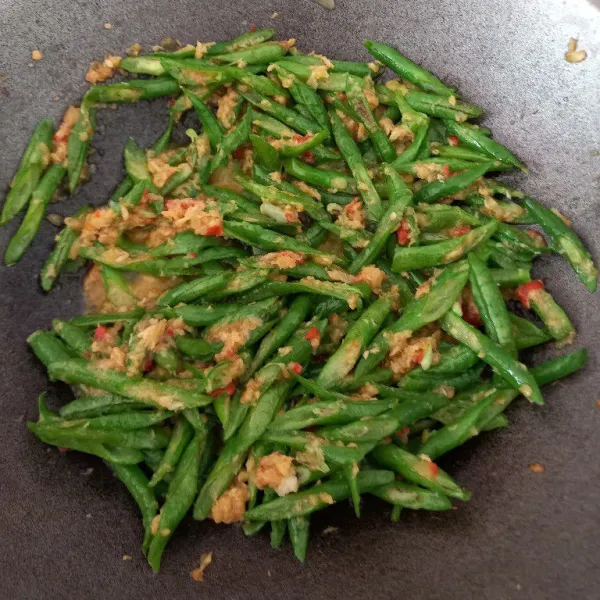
[66, 523]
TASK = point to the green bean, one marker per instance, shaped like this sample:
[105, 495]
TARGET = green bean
[288, 116]
[232, 140]
[360, 69]
[257, 54]
[297, 348]
[129, 456]
[144, 65]
[135, 162]
[210, 124]
[355, 342]
[334, 82]
[78, 144]
[526, 334]
[460, 153]
[268, 240]
[87, 407]
[260, 310]
[77, 339]
[510, 277]
[351, 295]
[132, 90]
[544, 373]
[233, 453]
[40, 199]
[317, 497]
[179, 499]
[245, 40]
[358, 168]
[136, 483]
[368, 429]
[298, 529]
[306, 96]
[151, 392]
[285, 197]
[266, 155]
[62, 435]
[239, 283]
[400, 197]
[436, 190]
[418, 470]
[330, 180]
[276, 339]
[299, 147]
[182, 434]
[121, 190]
[168, 359]
[458, 381]
[407, 69]
[404, 164]
[474, 138]
[455, 434]
[116, 287]
[436, 217]
[359, 103]
[428, 308]
[185, 242]
[416, 257]
[494, 355]
[178, 178]
[30, 170]
[278, 529]
[225, 196]
[410, 496]
[436, 106]
[336, 455]
[47, 347]
[237, 414]
[162, 267]
[560, 367]
[191, 290]
[554, 317]
[333, 412]
[125, 421]
[195, 348]
[491, 305]
[566, 242]
[356, 238]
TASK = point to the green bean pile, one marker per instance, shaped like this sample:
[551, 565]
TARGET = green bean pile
[309, 300]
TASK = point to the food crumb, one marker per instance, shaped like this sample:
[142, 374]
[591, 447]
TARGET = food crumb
[127, 557]
[198, 574]
[36, 55]
[107, 26]
[274, 15]
[537, 467]
[597, 403]
[134, 49]
[572, 55]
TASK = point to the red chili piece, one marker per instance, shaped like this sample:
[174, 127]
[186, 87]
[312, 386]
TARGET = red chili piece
[100, 333]
[524, 291]
[403, 233]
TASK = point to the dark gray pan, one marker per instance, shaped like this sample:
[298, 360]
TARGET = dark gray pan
[64, 529]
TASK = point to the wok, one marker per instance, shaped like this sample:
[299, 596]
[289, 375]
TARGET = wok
[66, 523]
